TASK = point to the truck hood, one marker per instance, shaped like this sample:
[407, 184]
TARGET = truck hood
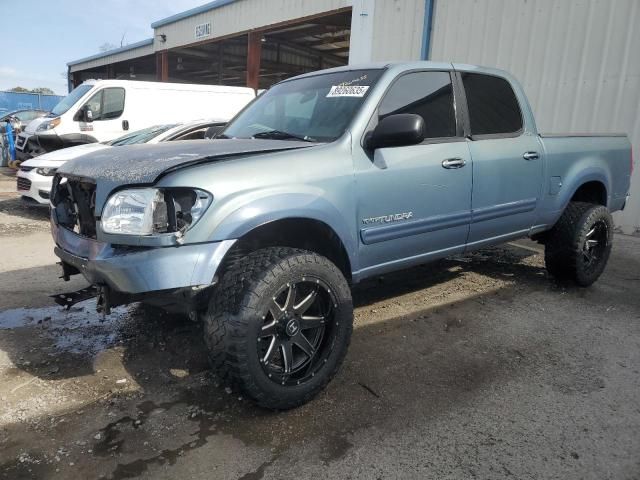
[58, 157]
[145, 164]
[133, 164]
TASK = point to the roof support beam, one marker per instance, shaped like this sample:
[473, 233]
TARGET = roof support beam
[254, 52]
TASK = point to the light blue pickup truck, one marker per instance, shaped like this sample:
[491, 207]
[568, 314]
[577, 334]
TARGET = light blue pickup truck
[322, 181]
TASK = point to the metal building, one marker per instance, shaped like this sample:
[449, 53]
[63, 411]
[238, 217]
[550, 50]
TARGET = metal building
[579, 60]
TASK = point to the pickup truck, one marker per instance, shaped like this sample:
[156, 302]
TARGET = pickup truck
[324, 180]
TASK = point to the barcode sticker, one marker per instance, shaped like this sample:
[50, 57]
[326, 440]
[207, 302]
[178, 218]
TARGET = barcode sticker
[347, 91]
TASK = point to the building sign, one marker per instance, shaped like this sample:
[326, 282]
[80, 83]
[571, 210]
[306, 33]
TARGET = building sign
[203, 30]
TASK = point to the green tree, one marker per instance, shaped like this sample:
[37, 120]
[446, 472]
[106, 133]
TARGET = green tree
[19, 90]
[43, 90]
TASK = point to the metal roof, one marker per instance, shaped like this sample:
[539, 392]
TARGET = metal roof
[132, 46]
[191, 12]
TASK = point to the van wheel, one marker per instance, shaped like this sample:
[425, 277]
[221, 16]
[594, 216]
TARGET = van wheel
[579, 245]
[278, 326]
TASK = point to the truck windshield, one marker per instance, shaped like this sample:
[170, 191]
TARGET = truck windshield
[67, 102]
[140, 136]
[314, 109]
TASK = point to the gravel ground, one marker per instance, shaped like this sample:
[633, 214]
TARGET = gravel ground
[479, 366]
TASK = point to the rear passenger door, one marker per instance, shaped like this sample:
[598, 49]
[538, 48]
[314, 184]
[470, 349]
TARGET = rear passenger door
[414, 201]
[507, 160]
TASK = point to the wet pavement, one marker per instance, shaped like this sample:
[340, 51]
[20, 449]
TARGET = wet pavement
[479, 366]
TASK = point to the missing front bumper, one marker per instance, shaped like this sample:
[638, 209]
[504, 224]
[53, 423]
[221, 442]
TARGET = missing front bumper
[134, 271]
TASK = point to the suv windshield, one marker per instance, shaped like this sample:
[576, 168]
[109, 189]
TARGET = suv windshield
[67, 102]
[313, 109]
[140, 136]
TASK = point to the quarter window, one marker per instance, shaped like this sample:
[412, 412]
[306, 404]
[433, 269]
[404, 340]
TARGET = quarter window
[428, 94]
[493, 106]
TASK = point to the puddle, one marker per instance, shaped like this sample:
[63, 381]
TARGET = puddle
[77, 330]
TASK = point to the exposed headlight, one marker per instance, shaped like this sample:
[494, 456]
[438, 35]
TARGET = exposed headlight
[151, 211]
[47, 172]
[53, 123]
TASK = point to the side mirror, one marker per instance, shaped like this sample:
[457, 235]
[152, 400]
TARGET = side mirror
[398, 130]
[88, 114]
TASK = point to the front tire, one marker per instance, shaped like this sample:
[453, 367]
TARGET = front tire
[279, 325]
[579, 245]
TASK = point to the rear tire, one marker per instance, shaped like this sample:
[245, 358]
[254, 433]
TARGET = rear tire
[579, 245]
[278, 326]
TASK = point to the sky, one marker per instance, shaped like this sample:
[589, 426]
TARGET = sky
[39, 37]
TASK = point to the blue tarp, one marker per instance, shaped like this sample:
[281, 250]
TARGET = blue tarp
[14, 101]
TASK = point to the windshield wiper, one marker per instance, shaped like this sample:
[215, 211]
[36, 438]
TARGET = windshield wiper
[280, 135]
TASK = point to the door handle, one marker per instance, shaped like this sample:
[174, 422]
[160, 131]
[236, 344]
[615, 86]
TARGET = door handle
[530, 155]
[454, 163]
[125, 124]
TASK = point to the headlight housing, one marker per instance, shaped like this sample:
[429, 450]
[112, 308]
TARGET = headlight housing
[154, 211]
[45, 171]
[51, 124]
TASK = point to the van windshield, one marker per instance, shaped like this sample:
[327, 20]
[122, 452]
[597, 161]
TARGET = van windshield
[313, 109]
[67, 102]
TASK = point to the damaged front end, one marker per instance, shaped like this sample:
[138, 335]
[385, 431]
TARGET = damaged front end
[169, 274]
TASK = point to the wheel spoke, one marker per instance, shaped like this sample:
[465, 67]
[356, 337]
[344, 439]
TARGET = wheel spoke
[287, 357]
[591, 232]
[304, 305]
[275, 310]
[308, 322]
[273, 347]
[304, 344]
[291, 298]
[269, 329]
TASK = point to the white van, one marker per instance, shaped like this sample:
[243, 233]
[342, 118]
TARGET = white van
[35, 176]
[101, 110]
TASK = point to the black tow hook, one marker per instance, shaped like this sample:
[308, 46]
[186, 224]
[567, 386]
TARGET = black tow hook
[68, 300]
[104, 304]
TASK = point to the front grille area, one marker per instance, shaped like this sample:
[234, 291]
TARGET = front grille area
[74, 201]
[24, 184]
[26, 169]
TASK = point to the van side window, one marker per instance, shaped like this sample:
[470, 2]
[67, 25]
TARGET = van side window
[428, 94]
[493, 106]
[107, 104]
[112, 103]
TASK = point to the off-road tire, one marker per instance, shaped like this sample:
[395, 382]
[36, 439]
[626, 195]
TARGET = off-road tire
[565, 243]
[234, 318]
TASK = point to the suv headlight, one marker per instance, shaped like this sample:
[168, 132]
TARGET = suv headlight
[51, 124]
[152, 211]
[47, 172]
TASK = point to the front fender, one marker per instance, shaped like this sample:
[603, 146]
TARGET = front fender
[243, 216]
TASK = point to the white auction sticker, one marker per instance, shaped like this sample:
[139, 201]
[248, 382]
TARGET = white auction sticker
[347, 91]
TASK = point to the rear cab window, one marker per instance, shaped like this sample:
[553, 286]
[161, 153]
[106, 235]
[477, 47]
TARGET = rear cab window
[492, 105]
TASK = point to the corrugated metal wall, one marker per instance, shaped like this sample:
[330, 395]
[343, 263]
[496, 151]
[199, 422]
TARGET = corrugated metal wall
[397, 30]
[241, 16]
[114, 58]
[579, 62]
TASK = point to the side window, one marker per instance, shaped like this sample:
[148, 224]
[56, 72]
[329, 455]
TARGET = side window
[192, 135]
[113, 103]
[95, 105]
[428, 94]
[107, 104]
[493, 106]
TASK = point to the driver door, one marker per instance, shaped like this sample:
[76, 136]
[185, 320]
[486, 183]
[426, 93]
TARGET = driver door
[107, 108]
[414, 202]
